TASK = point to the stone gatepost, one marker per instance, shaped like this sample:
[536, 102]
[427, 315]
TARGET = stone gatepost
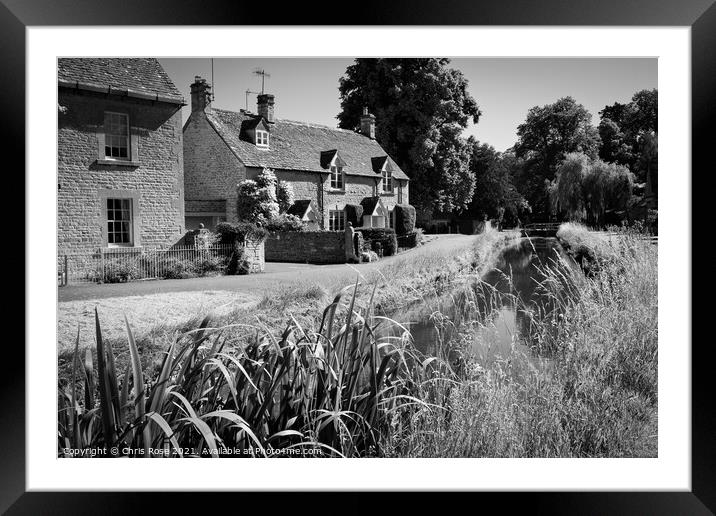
[351, 256]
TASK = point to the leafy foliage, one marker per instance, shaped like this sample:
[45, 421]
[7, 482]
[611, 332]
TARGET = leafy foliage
[380, 238]
[285, 222]
[230, 232]
[587, 189]
[284, 195]
[623, 128]
[422, 106]
[257, 200]
[548, 134]
[404, 219]
[495, 197]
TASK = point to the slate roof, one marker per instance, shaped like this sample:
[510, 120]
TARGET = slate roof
[299, 208]
[144, 78]
[298, 145]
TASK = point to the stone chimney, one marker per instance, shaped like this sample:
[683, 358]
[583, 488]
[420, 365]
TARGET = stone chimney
[264, 104]
[200, 95]
[367, 124]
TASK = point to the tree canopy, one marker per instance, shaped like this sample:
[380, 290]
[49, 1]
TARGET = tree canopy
[547, 135]
[586, 188]
[624, 126]
[495, 195]
[421, 107]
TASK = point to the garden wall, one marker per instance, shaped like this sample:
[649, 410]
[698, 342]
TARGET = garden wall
[306, 247]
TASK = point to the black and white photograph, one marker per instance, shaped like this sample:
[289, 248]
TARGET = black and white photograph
[357, 257]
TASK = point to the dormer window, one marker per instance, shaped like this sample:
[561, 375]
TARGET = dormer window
[387, 181]
[336, 177]
[262, 138]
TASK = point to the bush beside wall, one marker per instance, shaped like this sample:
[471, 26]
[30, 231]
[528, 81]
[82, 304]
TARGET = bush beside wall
[383, 238]
[412, 239]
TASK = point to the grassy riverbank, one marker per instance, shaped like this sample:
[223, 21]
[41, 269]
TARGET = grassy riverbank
[323, 380]
[598, 398]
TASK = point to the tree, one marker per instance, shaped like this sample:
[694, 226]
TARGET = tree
[495, 195]
[586, 188]
[421, 107]
[567, 191]
[548, 134]
[625, 125]
[257, 200]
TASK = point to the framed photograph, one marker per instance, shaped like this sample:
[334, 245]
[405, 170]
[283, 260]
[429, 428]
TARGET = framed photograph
[423, 246]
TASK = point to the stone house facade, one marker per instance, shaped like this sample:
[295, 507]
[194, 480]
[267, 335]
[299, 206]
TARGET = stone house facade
[120, 162]
[327, 167]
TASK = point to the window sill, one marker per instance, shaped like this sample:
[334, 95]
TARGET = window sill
[336, 190]
[387, 194]
[112, 247]
[117, 163]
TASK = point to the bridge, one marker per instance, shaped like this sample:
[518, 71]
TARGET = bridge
[544, 229]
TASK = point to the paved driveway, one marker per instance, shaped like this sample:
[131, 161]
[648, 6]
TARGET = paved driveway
[274, 274]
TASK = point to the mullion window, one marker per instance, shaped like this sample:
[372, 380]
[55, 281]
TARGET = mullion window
[336, 177]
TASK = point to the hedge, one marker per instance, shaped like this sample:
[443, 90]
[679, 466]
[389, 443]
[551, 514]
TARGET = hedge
[412, 239]
[404, 218]
[354, 214]
[385, 237]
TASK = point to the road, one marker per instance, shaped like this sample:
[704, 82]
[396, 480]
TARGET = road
[275, 274]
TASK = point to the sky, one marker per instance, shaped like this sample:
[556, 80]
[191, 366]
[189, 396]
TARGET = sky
[306, 89]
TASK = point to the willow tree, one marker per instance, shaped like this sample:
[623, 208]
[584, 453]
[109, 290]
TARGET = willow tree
[587, 188]
[567, 192]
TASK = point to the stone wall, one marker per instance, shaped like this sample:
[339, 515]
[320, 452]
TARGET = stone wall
[211, 171]
[153, 179]
[306, 247]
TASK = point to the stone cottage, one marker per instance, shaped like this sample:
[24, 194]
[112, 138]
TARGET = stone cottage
[120, 174]
[327, 167]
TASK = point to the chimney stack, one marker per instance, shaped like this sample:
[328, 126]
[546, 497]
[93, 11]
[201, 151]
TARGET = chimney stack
[265, 103]
[367, 124]
[200, 95]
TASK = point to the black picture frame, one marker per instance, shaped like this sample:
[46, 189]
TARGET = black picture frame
[17, 15]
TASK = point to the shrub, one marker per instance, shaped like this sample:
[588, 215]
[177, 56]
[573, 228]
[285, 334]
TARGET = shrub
[121, 271]
[257, 200]
[231, 232]
[404, 219]
[354, 214]
[285, 222]
[284, 195]
[385, 237]
[412, 239]
[238, 263]
[176, 268]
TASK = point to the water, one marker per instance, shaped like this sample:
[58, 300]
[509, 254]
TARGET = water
[499, 309]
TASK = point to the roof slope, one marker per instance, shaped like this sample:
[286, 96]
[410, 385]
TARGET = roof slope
[298, 145]
[145, 76]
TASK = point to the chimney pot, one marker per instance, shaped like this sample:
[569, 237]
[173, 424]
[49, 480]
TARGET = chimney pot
[265, 106]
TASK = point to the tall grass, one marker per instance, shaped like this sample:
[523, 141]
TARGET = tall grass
[338, 391]
[597, 398]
